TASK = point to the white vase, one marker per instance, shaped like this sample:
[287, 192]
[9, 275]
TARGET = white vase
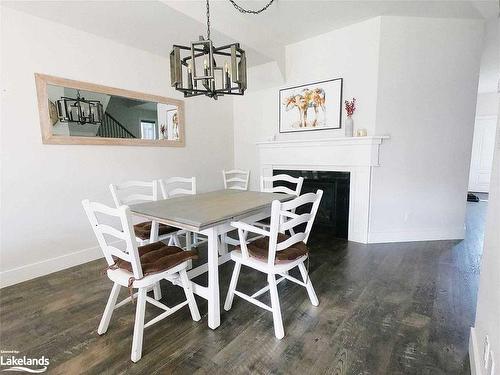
[349, 126]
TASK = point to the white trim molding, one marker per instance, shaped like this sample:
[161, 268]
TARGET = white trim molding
[474, 357]
[37, 269]
[430, 234]
[356, 155]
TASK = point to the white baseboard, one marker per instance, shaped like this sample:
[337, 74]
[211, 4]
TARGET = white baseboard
[417, 235]
[474, 358]
[30, 271]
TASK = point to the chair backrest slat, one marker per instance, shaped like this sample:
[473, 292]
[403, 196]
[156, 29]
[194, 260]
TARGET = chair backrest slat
[292, 223]
[297, 237]
[131, 192]
[135, 198]
[118, 253]
[177, 186]
[267, 184]
[284, 218]
[236, 179]
[107, 229]
[299, 201]
[124, 234]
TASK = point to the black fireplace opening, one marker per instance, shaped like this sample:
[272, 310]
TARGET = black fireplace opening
[332, 218]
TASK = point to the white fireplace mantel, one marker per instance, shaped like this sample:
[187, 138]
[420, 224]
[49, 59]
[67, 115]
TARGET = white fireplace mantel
[350, 151]
[356, 155]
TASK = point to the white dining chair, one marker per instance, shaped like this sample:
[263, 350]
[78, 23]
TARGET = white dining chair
[274, 184]
[133, 192]
[236, 179]
[138, 268]
[276, 253]
[177, 187]
[277, 184]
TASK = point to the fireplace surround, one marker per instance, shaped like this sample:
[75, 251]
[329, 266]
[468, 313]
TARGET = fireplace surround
[355, 155]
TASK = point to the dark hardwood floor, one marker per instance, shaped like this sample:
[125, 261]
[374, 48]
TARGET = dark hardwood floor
[401, 308]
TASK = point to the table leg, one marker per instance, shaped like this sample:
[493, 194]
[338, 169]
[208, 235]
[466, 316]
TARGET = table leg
[223, 244]
[213, 280]
[153, 236]
[188, 240]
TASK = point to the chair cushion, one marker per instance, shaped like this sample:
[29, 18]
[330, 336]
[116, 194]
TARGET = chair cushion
[143, 230]
[260, 249]
[158, 257]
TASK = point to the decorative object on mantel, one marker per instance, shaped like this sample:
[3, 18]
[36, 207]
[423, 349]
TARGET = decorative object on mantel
[350, 107]
[361, 133]
[314, 106]
[216, 80]
[271, 138]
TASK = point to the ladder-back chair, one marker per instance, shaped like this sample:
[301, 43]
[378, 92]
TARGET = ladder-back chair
[276, 253]
[138, 268]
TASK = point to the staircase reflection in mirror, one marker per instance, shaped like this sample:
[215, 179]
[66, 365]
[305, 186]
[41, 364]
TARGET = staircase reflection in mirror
[73, 112]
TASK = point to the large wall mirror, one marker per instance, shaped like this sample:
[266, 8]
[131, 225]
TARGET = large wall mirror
[73, 112]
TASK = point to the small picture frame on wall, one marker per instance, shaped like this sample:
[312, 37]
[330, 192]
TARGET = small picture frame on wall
[313, 106]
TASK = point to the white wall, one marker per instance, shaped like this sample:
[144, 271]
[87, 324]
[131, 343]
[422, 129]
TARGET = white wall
[43, 224]
[487, 104]
[427, 91]
[490, 69]
[488, 300]
[350, 53]
[412, 81]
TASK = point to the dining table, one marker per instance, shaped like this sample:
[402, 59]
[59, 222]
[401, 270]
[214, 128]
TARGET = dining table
[210, 214]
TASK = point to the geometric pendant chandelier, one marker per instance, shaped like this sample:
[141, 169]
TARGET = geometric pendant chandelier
[203, 69]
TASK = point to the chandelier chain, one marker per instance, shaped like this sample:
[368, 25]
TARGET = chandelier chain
[208, 21]
[250, 11]
[239, 8]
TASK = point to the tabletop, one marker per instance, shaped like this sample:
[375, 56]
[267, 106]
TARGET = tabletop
[200, 211]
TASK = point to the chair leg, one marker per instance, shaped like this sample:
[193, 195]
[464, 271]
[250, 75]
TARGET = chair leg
[195, 239]
[275, 304]
[108, 311]
[139, 325]
[157, 291]
[188, 290]
[309, 286]
[232, 286]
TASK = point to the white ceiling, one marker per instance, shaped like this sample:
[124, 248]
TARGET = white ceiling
[155, 25]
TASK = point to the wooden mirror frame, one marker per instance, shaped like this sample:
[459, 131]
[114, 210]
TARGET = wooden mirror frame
[42, 80]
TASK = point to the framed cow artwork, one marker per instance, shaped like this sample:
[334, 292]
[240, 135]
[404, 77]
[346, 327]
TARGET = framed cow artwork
[315, 106]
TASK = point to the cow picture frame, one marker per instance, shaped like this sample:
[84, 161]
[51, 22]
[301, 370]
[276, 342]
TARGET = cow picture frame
[312, 106]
